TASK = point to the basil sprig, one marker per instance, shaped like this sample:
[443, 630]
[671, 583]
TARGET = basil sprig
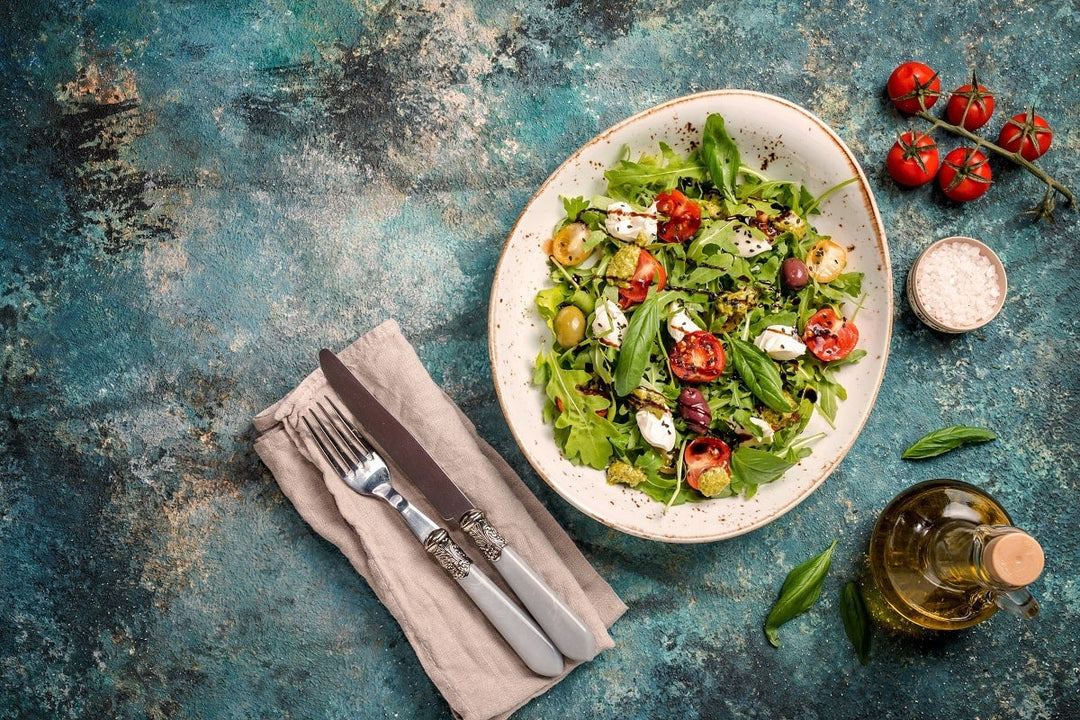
[800, 591]
[946, 439]
[721, 155]
[637, 345]
[856, 621]
[760, 374]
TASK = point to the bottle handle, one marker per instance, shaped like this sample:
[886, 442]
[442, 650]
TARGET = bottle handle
[1018, 602]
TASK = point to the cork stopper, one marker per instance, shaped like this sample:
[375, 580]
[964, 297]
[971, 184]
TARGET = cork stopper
[1014, 559]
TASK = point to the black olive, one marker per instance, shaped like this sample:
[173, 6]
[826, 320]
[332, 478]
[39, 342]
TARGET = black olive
[793, 274]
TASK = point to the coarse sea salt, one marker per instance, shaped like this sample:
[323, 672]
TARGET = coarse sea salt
[958, 285]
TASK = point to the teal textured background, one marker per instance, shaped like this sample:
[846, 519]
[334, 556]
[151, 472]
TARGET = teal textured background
[196, 196]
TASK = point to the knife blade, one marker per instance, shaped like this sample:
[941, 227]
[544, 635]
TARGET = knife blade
[565, 627]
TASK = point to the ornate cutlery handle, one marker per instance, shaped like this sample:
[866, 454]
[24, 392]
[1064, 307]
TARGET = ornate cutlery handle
[565, 627]
[513, 623]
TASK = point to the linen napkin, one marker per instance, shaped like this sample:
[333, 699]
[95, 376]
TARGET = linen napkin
[478, 674]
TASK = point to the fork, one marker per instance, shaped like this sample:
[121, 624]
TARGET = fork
[363, 470]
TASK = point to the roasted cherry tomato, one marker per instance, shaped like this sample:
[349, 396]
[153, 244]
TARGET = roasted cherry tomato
[1027, 134]
[704, 453]
[970, 106]
[913, 87]
[683, 216]
[826, 260]
[568, 245]
[965, 174]
[698, 357]
[649, 271]
[829, 336]
[913, 159]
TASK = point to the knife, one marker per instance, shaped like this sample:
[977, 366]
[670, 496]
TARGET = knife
[566, 629]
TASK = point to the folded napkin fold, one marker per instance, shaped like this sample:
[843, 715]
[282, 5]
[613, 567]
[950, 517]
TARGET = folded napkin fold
[475, 670]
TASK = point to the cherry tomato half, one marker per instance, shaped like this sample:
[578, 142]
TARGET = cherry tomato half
[829, 336]
[698, 357]
[970, 106]
[1027, 134]
[913, 159]
[965, 174]
[648, 271]
[704, 453]
[683, 216]
[913, 87]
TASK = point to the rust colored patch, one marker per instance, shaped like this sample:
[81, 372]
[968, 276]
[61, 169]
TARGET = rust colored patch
[100, 116]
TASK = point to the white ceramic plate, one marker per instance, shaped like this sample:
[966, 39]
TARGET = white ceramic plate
[788, 143]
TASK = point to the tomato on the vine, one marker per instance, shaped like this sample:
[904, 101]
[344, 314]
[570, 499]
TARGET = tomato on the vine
[1027, 134]
[912, 87]
[913, 159]
[970, 106]
[683, 216]
[698, 357]
[648, 271]
[965, 174]
[705, 453]
[829, 336]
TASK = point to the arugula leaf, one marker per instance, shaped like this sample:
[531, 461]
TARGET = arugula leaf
[637, 345]
[949, 438]
[760, 374]
[799, 593]
[638, 182]
[787, 442]
[813, 206]
[583, 435]
[845, 285]
[548, 301]
[829, 396]
[573, 207]
[721, 155]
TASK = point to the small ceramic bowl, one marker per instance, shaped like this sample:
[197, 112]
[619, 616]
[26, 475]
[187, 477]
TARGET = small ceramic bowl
[956, 285]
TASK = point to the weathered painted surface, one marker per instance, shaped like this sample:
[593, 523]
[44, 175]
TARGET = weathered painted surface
[196, 196]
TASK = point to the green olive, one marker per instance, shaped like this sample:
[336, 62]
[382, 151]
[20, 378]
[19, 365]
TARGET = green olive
[569, 326]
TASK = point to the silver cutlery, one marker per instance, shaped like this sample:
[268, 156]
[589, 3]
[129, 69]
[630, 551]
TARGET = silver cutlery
[364, 471]
[564, 626]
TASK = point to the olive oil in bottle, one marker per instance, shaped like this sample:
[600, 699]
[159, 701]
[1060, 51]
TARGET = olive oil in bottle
[944, 555]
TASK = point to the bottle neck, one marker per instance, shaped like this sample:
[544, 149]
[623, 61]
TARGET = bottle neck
[996, 557]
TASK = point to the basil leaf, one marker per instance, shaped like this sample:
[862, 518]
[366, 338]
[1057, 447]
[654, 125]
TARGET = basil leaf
[754, 466]
[759, 373]
[636, 346]
[946, 439]
[721, 155]
[856, 621]
[800, 591]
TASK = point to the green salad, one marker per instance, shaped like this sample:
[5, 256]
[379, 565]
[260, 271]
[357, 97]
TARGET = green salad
[697, 323]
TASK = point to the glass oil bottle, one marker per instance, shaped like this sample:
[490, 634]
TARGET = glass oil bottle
[944, 555]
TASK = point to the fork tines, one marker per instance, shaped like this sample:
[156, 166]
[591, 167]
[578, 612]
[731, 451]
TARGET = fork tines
[340, 442]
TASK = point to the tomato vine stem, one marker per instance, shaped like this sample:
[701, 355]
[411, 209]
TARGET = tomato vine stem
[1046, 207]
